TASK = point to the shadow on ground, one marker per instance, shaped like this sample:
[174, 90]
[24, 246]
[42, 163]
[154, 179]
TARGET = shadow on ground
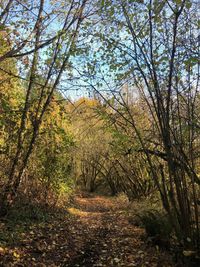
[92, 232]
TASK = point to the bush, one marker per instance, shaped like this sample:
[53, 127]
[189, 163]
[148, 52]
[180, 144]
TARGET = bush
[28, 213]
[157, 227]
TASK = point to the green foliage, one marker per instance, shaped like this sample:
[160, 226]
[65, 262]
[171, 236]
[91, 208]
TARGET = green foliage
[28, 213]
[50, 163]
[23, 217]
[11, 104]
[157, 226]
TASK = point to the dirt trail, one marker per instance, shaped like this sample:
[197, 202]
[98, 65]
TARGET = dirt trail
[108, 239]
[94, 232]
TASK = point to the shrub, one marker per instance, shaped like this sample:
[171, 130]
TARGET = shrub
[157, 227]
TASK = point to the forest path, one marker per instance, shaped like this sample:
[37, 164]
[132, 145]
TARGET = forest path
[93, 232]
[106, 238]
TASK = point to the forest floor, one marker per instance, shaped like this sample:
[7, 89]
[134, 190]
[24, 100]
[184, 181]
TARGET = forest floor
[93, 231]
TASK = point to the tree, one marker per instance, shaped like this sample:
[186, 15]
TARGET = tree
[91, 143]
[49, 170]
[152, 45]
[11, 102]
[52, 62]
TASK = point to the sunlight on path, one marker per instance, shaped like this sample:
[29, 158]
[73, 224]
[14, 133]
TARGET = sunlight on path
[106, 238]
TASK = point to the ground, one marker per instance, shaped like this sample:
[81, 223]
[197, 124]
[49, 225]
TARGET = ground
[92, 231]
